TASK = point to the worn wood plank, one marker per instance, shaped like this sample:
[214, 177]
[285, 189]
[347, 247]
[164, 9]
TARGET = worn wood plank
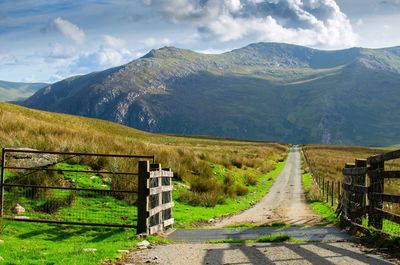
[161, 173]
[354, 171]
[387, 215]
[386, 197]
[160, 208]
[384, 157]
[169, 222]
[160, 189]
[390, 174]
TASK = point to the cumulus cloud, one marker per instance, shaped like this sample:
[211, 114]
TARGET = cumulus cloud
[153, 42]
[69, 30]
[102, 58]
[307, 22]
[113, 42]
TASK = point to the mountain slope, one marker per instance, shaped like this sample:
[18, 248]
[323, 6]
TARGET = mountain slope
[264, 91]
[10, 91]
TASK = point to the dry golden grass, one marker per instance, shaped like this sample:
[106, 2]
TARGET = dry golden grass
[330, 160]
[189, 157]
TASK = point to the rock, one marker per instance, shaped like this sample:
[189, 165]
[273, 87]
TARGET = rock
[18, 209]
[143, 245]
[123, 251]
[21, 217]
[212, 220]
[93, 177]
[89, 249]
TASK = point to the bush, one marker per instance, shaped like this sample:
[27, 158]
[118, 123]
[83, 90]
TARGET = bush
[204, 199]
[241, 190]
[52, 205]
[250, 180]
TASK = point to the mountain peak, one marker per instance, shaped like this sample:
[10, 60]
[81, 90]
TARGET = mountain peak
[169, 52]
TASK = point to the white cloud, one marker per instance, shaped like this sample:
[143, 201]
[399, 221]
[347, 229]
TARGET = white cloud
[306, 22]
[113, 42]
[69, 30]
[155, 42]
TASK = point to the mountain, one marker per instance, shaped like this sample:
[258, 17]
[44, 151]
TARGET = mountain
[264, 91]
[12, 91]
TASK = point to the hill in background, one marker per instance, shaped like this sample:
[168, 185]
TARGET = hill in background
[264, 91]
[13, 91]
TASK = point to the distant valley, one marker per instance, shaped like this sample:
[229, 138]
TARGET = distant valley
[264, 91]
[16, 91]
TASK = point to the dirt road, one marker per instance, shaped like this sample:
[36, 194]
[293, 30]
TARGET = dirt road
[285, 201]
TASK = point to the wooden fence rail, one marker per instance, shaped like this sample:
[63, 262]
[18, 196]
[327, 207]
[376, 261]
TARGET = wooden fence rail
[364, 195]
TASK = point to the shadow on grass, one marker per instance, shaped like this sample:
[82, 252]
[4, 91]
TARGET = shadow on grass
[65, 232]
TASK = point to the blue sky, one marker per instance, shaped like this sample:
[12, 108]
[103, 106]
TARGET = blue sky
[48, 40]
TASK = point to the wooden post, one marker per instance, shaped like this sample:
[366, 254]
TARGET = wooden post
[376, 201]
[338, 193]
[143, 192]
[333, 191]
[327, 191]
[323, 188]
[3, 164]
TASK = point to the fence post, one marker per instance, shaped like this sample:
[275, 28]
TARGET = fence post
[323, 188]
[327, 191]
[143, 192]
[3, 164]
[333, 191]
[377, 187]
[338, 192]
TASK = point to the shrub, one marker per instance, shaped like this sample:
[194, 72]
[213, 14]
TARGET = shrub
[241, 190]
[52, 205]
[205, 199]
[250, 180]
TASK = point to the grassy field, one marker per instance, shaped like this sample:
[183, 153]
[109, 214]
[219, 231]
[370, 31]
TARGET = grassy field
[213, 177]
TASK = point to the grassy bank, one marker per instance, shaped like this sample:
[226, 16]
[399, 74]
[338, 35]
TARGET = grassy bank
[315, 201]
[186, 214]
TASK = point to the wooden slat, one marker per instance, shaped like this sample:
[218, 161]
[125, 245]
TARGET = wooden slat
[160, 208]
[389, 216]
[391, 174]
[384, 157]
[355, 171]
[169, 222]
[355, 188]
[158, 190]
[161, 174]
[387, 197]
[156, 229]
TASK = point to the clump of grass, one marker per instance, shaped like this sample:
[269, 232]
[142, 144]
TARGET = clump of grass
[52, 205]
[228, 241]
[250, 180]
[204, 199]
[273, 238]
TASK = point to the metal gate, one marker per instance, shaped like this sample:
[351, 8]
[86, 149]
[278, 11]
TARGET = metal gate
[70, 188]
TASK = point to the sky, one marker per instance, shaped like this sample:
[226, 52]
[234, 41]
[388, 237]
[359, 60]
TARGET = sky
[49, 40]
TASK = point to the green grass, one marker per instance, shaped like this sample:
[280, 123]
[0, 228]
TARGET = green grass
[273, 238]
[229, 241]
[270, 238]
[323, 210]
[33, 243]
[251, 225]
[185, 215]
[307, 181]
[327, 213]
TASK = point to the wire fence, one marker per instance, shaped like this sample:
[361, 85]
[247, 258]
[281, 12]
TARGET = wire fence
[70, 188]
